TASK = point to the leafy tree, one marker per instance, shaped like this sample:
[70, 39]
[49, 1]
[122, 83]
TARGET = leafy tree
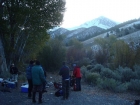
[75, 52]
[114, 51]
[52, 55]
[123, 55]
[24, 24]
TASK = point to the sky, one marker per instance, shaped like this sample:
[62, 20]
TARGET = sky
[80, 11]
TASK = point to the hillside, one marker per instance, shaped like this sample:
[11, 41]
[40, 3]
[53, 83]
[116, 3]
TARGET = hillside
[86, 29]
[93, 29]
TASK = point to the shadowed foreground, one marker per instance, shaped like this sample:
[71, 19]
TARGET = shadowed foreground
[88, 96]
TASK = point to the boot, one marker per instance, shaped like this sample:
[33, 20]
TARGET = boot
[40, 97]
[33, 98]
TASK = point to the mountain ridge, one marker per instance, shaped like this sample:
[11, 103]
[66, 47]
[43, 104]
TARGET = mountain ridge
[101, 22]
[98, 24]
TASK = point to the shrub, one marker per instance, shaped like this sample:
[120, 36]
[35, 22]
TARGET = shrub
[84, 71]
[108, 83]
[137, 71]
[89, 67]
[84, 61]
[91, 78]
[97, 68]
[127, 74]
[106, 72]
[135, 85]
[117, 76]
[122, 87]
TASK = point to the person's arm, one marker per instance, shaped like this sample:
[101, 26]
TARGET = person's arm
[42, 76]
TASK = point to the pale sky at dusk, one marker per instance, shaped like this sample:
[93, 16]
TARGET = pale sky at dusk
[80, 11]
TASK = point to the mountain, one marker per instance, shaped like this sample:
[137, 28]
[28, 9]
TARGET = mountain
[87, 29]
[58, 31]
[81, 33]
[128, 31]
[101, 22]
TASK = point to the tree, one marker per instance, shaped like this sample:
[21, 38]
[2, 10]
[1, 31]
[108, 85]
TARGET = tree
[76, 52]
[24, 24]
[52, 55]
[123, 55]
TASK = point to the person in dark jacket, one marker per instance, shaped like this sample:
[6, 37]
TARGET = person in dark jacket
[14, 72]
[38, 79]
[77, 75]
[29, 78]
[64, 72]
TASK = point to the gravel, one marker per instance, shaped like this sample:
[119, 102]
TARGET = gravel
[88, 96]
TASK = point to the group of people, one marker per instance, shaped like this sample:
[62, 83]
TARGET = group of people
[36, 77]
[65, 73]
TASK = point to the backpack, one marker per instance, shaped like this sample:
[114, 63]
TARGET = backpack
[59, 93]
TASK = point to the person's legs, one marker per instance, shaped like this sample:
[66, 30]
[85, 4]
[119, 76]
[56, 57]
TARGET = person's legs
[39, 88]
[40, 97]
[34, 93]
[33, 98]
[67, 88]
[12, 77]
[78, 84]
[64, 89]
[30, 88]
[16, 77]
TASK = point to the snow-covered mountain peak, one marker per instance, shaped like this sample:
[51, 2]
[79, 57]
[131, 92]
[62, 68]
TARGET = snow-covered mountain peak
[101, 22]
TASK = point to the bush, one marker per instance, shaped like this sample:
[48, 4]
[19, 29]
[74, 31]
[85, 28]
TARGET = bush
[137, 71]
[122, 87]
[117, 76]
[97, 68]
[84, 61]
[108, 83]
[106, 72]
[135, 85]
[92, 78]
[126, 74]
[89, 67]
[84, 71]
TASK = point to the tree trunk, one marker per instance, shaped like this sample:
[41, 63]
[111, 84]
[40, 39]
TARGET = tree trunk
[3, 65]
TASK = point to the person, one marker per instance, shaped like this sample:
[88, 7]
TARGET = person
[29, 78]
[38, 79]
[64, 72]
[14, 72]
[77, 75]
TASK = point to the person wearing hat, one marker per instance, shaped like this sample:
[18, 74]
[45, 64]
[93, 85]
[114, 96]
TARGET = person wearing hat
[77, 75]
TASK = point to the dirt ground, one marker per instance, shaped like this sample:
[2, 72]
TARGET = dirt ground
[88, 96]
